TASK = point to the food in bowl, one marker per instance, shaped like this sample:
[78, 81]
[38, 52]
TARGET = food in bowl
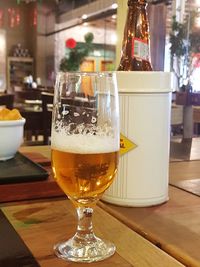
[11, 132]
[7, 114]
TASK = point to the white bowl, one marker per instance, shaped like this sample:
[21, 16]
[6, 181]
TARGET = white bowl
[11, 137]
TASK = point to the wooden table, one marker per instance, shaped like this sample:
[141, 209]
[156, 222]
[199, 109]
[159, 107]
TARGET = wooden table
[159, 236]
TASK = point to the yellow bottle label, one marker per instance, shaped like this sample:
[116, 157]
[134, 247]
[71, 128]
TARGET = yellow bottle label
[125, 145]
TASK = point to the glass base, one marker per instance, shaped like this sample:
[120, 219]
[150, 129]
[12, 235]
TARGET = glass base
[95, 250]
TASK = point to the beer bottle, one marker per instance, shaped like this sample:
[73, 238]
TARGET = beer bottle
[135, 45]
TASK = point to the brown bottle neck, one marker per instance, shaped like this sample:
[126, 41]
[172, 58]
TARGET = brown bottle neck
[135, 46]
[132, 3]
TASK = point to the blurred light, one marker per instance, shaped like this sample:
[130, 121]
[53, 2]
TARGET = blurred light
[114, 16]
[84, 16]
[114, 38]
[198, 2]
[196, 80]
[85, 30]
[97, 53]
[85, 24]
[114, 6]
[2, 44]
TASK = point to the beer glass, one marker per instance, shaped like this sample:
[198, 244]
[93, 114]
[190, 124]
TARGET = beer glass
[85, 145]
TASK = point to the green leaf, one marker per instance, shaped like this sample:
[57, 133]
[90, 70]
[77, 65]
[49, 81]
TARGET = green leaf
[76, 56]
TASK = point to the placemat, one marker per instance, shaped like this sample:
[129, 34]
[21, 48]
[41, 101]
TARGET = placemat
[13, 251]
[21, 169]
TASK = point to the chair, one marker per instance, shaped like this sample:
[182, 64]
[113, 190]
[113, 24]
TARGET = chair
[7, 100]
[176, 119]
[196, 119]
[31, 94]
[47, 102]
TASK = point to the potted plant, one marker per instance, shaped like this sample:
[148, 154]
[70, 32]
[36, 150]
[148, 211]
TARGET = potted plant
[185, 44]
[76, 53]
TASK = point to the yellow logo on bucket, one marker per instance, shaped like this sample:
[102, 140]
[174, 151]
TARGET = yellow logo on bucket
[125, 145]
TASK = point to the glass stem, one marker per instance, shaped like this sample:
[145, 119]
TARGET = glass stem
[84, 231]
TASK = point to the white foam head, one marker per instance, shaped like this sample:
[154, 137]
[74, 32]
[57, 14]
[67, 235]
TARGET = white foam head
[83, 144]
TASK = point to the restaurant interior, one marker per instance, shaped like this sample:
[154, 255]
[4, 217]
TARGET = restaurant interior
[36, 37]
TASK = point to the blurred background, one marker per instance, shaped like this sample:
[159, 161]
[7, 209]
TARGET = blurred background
[38, 38]
[33, 36]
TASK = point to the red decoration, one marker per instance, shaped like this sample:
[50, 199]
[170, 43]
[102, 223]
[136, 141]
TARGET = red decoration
[11, 12]
[17, 17]
[70, 43]
[1, 17]
[35, 17]
[196, 60]
[14, 17]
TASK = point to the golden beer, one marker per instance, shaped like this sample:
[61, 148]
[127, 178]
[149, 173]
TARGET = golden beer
[84, 177]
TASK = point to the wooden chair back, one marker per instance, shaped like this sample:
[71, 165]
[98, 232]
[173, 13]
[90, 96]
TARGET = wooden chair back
[7, 100]
[31, 94]
[47, 104]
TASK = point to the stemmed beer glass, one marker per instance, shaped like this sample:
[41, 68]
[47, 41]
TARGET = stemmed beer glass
[85, 145]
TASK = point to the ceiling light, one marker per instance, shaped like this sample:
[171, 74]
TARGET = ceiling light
[114, 38]
[84, 16]
[114, 6]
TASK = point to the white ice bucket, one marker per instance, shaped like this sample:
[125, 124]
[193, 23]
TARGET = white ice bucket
[145, 108]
